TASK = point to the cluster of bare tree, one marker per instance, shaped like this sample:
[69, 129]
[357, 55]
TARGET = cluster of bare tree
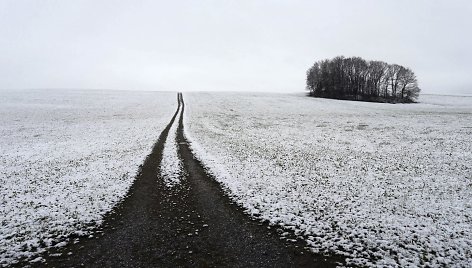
[357, 79]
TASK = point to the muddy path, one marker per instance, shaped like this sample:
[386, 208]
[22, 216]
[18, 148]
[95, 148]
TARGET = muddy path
[191, 225]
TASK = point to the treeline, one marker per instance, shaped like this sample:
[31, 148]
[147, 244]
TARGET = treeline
[357, 79]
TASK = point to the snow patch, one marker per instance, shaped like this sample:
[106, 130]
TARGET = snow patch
[171, 164]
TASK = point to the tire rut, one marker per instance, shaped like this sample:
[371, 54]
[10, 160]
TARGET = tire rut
[234, 239]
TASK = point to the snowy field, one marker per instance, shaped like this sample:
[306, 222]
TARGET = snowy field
[383, 184]
[67, 157]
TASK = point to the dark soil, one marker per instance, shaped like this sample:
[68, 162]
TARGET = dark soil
[191, 225]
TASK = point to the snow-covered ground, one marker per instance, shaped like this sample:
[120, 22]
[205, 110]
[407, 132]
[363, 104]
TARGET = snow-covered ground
[66, 157]
[383, 184]
[171, 165]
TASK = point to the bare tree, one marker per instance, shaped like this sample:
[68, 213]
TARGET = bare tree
[313, 78]
[394, 79]
[408, 84]
[377, 70]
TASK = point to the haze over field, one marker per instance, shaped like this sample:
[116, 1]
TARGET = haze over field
[227, 45]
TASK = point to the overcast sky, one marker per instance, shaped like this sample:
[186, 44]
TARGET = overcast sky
[227, 45]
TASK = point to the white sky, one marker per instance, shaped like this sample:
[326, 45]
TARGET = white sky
[227, 45]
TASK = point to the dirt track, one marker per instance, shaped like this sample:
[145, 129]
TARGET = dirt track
[194, 224]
